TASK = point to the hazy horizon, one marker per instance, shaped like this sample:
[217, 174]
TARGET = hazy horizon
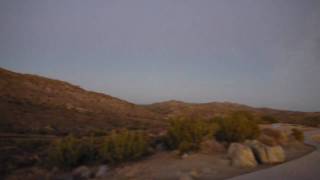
[260, 53]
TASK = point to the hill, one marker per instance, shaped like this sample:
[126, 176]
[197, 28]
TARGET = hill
[174, 108]
[34, 103]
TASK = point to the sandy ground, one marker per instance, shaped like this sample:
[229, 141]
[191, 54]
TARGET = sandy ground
[304, 168]
[169, 166]
[216, 166]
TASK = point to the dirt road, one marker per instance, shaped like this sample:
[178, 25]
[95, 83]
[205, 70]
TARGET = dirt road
[304, 168]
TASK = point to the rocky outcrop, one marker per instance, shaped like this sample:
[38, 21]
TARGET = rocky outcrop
[241, 156]
[266, 154]
[276, 154]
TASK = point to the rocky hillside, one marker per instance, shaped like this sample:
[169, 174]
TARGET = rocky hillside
[31, 103]
[208, 110]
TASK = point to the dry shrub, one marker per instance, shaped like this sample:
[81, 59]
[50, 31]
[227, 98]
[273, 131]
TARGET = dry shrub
[297, 134]
[238, 127]
[70, 151]
[187, 134]
[269, 119]
[124, 146]
[279, 136]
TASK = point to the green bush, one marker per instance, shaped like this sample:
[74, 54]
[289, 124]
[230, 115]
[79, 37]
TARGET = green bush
[238, 127]
[269, 119]
[70, 151]
[297, 134]
[187, 134]
[123, 146]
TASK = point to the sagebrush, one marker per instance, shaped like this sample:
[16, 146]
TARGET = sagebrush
[124, 146]
[186, 134]
[237, 127]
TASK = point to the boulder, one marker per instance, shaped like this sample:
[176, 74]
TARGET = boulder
[275, 154]
[241, 156]
[102, 171]
[266, 154]
[82, 172]
[259, 151]
[268, 140]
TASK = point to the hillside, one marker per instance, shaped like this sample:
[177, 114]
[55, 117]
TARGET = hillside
[208, 110]
[32, 103]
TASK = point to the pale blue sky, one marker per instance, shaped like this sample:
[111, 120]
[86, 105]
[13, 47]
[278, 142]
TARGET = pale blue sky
[255, 52]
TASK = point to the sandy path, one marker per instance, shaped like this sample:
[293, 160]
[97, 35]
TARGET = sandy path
[305, 168]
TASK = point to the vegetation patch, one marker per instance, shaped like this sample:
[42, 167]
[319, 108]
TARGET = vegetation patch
[187, 134]
[297, 134]
[237, 127]
[124, 146]
[70, 152]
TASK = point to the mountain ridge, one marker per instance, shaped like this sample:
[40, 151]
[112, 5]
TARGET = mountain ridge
[32, 102]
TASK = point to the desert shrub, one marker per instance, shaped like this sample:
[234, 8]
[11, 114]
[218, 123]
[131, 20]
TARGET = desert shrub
[312, 121]
[187, 134]
[297, 134]
[237, 127]
[97, 132]
[70, 151]
[269, 119]
[185, 147]
[31, 144]
[279, 136]
[124, 146]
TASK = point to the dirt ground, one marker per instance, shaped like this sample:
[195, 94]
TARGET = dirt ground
[169, 166]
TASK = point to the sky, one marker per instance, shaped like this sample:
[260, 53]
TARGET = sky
[263, 53]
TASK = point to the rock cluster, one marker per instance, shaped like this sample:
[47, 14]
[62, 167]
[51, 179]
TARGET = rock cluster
[241, 156]
[253, 152]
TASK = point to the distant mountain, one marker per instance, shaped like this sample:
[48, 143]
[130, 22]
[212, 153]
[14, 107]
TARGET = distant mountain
[174, 108]
[30, 103]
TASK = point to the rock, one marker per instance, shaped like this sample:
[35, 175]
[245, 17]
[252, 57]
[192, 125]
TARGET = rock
[184, 156]
[276, 154]
[259, 150]
[268, 140]
[102, 171]
[266, 154]
[241, 156]
[211, 146]
[194, 173]
[185, 177]
[82, 172]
